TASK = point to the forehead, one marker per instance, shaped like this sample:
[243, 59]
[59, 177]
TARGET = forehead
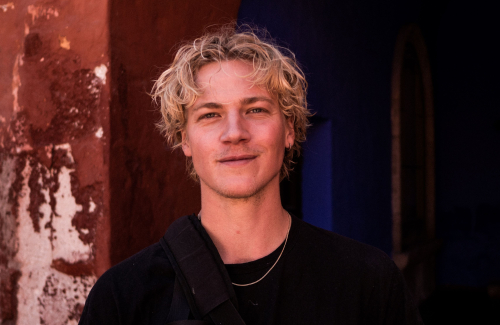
[215, 71]
[228, 80]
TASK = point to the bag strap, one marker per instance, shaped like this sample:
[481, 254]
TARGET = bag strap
[200, 272]
[179, 308]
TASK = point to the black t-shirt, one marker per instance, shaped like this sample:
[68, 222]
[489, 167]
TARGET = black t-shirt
[256, 303]
[321, 278]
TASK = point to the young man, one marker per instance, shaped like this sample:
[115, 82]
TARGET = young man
[236, 106]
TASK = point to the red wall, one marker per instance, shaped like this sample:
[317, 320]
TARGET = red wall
[149, 185]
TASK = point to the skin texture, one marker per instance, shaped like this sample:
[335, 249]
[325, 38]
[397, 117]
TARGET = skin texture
[236, 135]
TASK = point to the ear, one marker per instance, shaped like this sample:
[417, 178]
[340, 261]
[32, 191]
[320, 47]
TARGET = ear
[186, 148]
[289, 132]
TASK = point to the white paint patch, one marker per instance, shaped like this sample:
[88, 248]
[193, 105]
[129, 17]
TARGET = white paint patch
[92, 206]
[44, 293]
[100, 72]
[34, 255]
[8, 5]
[99, 133]
[16, 83]
[24, 147]
[39, 11]
[66, 243]
[63, 292]
[48, 151]
[67, 147]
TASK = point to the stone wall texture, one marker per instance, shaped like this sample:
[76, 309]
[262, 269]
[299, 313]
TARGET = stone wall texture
[85, 178]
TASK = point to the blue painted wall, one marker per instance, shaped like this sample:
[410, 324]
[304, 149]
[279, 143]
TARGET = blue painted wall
[317, 202]
[346, 48]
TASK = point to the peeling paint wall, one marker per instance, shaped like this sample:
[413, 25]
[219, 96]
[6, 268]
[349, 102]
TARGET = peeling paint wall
[85, 178]
[54, 133]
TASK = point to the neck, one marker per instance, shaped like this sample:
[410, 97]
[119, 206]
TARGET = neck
[244, 230]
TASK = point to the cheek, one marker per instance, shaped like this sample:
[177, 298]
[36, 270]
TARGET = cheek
[200, 147]
[272, 137]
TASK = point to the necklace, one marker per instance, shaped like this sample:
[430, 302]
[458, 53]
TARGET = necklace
[282, 250]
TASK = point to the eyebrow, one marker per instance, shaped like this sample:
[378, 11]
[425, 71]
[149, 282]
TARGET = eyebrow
[251, 100]
[244, 101]
[207, 105]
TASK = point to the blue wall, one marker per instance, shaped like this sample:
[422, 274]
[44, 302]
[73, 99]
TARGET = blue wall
[317, 203]
[346, 48]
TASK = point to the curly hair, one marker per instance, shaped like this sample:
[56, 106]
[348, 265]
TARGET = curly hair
[274, 68]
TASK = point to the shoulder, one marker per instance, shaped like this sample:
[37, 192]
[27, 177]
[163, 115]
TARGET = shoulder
[151, 261]
[141, 284]
[346, 254]
[360, 279]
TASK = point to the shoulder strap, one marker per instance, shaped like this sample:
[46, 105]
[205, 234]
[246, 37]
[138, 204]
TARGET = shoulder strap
[200, 272]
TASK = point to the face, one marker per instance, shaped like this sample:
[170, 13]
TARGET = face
[235, 133]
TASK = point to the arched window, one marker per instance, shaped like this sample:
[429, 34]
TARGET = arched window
[413, 196]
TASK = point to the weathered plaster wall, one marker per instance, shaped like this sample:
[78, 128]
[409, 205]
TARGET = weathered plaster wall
[85, 179]
[149, 186]
[54, 133]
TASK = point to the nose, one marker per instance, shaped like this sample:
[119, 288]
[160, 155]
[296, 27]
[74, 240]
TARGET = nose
[235, 129]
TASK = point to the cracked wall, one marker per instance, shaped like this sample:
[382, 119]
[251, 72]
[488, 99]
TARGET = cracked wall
[54, 133]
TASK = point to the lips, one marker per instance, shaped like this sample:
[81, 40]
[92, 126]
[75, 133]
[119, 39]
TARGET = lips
[237, 160]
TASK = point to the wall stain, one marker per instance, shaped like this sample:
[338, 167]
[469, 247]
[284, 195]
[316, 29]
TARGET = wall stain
[54, 201]
[32, 45]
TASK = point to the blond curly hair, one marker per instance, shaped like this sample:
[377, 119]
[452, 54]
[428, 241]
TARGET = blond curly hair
[274, 68]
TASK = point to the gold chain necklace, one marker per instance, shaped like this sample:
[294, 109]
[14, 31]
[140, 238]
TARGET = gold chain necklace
[286, 239]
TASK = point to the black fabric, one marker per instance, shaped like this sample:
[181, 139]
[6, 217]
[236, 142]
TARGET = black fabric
[322, 278]
[226, 314]
[200, 272]
[179, 309]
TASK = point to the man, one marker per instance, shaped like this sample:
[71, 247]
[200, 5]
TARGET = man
[236, 106]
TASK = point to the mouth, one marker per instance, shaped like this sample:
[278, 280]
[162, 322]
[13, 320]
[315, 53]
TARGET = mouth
[237, 160]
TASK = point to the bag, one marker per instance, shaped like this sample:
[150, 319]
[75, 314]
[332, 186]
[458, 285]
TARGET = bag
[202, 284]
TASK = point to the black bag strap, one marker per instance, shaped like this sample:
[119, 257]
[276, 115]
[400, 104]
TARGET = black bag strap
[179, 308]
[200, 272]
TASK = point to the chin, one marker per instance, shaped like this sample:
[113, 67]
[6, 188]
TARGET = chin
[238, 193]
[239, 188]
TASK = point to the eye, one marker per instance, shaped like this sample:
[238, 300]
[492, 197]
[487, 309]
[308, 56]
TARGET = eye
[208, 116]
[256, 110]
